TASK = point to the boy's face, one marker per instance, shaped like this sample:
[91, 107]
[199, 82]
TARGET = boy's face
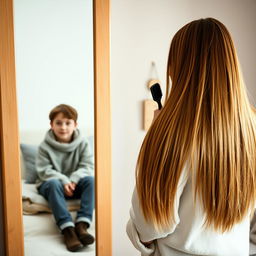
[63, 128]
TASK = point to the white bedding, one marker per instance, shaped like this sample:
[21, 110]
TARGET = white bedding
[34, 203]
[43, 238]
[41, 235]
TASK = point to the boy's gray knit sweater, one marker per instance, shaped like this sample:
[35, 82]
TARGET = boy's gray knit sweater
[68, 162]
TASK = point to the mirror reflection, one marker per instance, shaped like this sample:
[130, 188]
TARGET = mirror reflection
[54, 77]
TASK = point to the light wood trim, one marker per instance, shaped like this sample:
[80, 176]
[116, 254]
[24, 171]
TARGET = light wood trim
[10, 141]
[102, 128]
[11, 176]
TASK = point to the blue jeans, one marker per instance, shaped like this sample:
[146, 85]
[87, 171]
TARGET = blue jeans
[53, 191]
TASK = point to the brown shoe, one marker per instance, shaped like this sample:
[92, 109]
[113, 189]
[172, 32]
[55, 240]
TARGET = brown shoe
[71, 240]
[82, 233]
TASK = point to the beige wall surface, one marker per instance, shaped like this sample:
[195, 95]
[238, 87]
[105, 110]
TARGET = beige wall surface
[141, 32]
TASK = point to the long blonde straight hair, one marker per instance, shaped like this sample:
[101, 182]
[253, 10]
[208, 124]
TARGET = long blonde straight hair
[207, 122]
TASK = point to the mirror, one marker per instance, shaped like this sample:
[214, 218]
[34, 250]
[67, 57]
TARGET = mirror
[10, 160]
[54, 64]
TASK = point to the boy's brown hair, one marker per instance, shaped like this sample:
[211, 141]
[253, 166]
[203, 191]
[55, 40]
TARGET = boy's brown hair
[67, 111]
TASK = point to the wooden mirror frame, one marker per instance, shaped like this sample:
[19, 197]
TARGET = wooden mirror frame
[10, 152]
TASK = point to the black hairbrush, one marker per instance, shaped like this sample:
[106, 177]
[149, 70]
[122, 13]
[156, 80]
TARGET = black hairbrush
[156, 92]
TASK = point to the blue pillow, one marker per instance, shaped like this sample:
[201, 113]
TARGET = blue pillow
[29, 153]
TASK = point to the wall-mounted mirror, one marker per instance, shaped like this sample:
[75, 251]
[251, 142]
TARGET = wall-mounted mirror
[54, 64]
[62, 56]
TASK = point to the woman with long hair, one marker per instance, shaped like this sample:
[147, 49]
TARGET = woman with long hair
[196, 170]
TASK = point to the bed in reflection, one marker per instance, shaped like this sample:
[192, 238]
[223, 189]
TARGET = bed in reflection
[41, 235]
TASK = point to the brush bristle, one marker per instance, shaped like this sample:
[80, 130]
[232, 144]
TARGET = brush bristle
[156, 92]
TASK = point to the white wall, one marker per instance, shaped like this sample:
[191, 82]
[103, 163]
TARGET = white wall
[54, 60]
[141, 32]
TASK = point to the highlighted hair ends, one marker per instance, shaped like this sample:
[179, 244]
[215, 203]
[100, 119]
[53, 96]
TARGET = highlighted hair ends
[207, 122]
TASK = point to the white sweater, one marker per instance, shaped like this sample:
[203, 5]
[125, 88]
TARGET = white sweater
[188, 236]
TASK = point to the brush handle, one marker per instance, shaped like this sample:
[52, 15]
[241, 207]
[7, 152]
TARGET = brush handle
[159, 104]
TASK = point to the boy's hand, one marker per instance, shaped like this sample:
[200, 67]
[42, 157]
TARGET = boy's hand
[73, 186]
[69, 189]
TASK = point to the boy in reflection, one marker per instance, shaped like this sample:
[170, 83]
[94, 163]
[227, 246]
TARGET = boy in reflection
[65, 169]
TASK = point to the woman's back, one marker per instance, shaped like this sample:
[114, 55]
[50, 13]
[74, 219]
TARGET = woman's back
[188, 236]
[207, 125]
